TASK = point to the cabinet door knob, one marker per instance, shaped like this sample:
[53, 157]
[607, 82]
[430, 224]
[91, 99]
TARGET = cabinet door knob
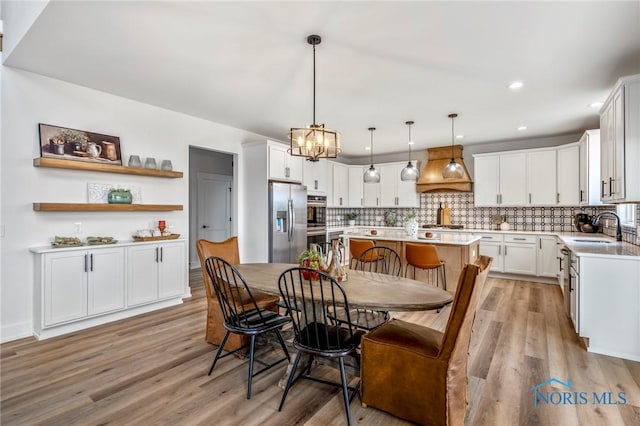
[205, 226]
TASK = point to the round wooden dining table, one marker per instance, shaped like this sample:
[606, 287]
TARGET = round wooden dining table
[363, 289]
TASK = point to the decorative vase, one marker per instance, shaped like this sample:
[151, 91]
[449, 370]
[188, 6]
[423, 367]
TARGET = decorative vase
[119, 197]
[411, 227]
[352, 222]
[504, 226]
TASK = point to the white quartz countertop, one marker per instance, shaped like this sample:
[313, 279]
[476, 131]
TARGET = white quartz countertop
[401, 235]
[575, 241]
[85, 246]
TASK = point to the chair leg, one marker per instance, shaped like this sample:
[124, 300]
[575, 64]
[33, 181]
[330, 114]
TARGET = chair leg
[252, 348]
[290, 379]
[345, 391]
[284, 347]
[224, 341]
[444, 277]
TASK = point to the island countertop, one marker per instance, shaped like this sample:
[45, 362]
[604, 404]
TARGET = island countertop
[397, 235]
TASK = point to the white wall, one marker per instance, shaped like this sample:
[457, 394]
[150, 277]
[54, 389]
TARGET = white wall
[29, 99]
[19, 15]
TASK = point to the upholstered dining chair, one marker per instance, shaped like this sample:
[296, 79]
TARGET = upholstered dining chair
[242, 315]
[418, 373]
[310, 295]
[215, 331]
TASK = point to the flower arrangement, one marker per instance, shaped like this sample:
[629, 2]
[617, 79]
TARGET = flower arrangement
[351, 216]
[411, 216]
[310, 259]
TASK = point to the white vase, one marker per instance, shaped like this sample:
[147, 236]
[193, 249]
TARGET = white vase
[504, 226]
[411, 227]
[352, 222]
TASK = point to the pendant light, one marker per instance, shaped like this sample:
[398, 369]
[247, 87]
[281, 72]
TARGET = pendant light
[409, 173]
[314, 141]
[452, 170]
[371, 175]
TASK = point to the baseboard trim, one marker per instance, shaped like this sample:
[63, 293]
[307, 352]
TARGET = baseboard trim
[16, 331]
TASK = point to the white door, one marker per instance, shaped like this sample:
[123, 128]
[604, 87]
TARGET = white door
[214, 207]
[486, 181]
[106, 280]
[171, 280]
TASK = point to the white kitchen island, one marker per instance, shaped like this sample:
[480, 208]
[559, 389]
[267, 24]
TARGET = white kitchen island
[455, 249]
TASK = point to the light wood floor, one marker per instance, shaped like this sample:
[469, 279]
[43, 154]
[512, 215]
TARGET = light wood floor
[152, 369]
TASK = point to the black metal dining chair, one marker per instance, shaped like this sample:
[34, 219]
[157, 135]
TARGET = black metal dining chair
[242, 314]
[382, 260]
[310, 294]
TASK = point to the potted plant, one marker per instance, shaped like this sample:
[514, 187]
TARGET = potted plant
[119, 196]
[310, 259]
[411, 223]
[351, 218]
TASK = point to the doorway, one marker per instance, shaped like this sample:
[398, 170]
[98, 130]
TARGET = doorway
[211, 198]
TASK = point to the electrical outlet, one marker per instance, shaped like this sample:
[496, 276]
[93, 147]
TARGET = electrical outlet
[77, 228]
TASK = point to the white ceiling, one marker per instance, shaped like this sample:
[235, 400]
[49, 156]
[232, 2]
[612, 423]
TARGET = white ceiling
[248, 65]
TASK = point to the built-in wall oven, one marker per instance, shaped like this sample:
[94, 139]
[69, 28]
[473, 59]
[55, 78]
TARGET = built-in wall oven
[316, 219]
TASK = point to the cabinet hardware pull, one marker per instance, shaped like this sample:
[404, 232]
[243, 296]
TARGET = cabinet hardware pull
[156, 254]
[519, 239]
[286, 171]
[497, 198]
[611, 186]
[500, 198]
[499, 250]
[340, 200]
[376, 201]
[558, 198]
[540, 243]
[581, 195]
[161, 254]
[529, 198]
[602, 190]
[488, 238]
[86, 268]
[91, 261]
[315, 184]
[505, 250]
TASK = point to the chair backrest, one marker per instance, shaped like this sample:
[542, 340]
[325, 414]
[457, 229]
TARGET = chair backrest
[423, 256]
[310, 297]
[457, 334]
[227, 250]
[383, 260]
[238, 305]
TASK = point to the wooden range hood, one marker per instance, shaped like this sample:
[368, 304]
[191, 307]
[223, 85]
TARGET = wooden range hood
[431, 179]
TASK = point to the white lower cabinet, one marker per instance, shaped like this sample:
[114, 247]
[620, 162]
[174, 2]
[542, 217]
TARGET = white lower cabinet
[491, 245]
[547, 256]
[76, 288]
[520, 254]
[154, 272]
[78, 284]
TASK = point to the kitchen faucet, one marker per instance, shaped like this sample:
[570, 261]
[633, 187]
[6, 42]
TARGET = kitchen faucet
[596, 222]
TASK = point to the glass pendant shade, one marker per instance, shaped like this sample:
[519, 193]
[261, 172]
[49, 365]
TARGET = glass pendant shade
[453, 170]
[409, 173]
[371, 175]
[314, 141]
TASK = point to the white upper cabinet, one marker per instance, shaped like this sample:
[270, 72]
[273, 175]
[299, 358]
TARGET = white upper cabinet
[371, 190]
[541, 177]
[282, 165]
[620, 143]
[393, 191]
[500, 179]
[338, 184]
[356, 186]
[569, 175]
[589, 146]
[314, 176]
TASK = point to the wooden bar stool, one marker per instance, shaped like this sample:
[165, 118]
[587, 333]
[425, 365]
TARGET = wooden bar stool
[425, 256]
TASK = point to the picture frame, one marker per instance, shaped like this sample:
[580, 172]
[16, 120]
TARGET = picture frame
[79, 145]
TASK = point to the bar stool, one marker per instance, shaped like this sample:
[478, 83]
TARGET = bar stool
[357, 247]
[425, 256]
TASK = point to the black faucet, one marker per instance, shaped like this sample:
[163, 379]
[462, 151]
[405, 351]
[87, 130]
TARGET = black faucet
[596, 222]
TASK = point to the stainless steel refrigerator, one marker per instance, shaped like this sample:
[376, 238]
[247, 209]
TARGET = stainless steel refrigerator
[287, 221]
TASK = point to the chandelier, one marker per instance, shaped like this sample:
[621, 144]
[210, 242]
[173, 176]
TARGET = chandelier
[314, 141]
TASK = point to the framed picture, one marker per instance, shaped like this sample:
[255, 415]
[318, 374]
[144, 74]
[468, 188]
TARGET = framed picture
[79, 145]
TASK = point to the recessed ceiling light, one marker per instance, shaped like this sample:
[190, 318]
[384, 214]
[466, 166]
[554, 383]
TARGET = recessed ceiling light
[596, 104]
[367, 148]
[516, 85]
[411, 142]
[521, 128]
[459, 136]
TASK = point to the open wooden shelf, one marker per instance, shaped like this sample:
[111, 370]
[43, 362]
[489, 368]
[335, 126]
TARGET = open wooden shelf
[107, 168]
[100, 207]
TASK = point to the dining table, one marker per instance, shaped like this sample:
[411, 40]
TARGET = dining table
[367, 290]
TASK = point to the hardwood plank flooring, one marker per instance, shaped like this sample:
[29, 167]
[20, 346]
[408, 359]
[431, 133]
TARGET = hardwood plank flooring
[152, 370]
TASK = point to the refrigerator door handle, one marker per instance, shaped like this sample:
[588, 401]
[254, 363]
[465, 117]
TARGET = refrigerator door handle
[289, 220]
[293, 221]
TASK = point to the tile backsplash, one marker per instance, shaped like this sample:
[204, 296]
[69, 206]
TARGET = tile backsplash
[464, 213]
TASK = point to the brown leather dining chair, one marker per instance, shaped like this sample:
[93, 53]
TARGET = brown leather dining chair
[418, 373]
[215, 331]
[357, 247]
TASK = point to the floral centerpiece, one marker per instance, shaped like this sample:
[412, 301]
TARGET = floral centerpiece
[313, 260]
